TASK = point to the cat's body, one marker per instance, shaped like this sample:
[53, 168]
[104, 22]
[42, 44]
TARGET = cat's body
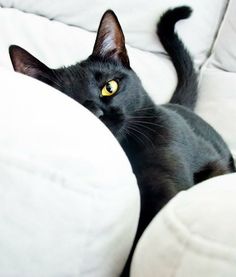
[169, 147]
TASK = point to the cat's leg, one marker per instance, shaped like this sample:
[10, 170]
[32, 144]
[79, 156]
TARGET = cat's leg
[155, 192]
[213, 169]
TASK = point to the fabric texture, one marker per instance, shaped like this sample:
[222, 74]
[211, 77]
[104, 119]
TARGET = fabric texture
[194, 235]
[65, 201]
[138, 19]
[216, 103]
[223, 56]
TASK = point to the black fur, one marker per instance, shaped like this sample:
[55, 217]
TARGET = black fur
[169, 147]
[186, 91]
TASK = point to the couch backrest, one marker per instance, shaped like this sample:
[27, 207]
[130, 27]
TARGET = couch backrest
[224, 51]
[138, 19]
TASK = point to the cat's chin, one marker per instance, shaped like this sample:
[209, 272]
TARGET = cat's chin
[116, 128]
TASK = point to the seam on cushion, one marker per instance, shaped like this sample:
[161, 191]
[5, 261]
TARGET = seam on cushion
[48, 18]
[54, 177]
[196, 241]
[24, 165]
[186, 241]
[84, 265]
[184, 245]
[221, 25]
[79, 27]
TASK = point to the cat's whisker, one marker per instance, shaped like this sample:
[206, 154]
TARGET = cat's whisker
[124, 133]
[143, 116]
[131, 132]
[144, 112]
[138, 130]
[145, 122]
[121, 134]
[144, 109]
[144, 126]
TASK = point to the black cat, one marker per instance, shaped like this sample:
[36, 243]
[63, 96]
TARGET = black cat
[169, 147]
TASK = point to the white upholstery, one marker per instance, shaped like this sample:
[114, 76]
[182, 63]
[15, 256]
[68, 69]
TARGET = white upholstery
[67, 192]
[194, 235]
[223, 55]
[217, 101]
[138, 19]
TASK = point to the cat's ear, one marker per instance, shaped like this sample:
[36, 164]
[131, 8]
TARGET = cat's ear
[27, 64]
[110, 41]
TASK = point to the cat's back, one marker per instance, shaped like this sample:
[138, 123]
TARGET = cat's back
[201, 128]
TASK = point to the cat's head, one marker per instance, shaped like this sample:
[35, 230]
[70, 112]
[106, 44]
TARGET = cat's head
[104, 83]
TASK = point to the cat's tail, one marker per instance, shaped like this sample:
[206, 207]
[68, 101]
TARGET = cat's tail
[186, 90]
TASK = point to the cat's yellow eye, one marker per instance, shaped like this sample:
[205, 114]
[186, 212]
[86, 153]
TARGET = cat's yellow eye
[110, 88]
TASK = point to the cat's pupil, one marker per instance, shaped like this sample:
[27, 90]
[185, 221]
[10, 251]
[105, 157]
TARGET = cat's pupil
[109, 87]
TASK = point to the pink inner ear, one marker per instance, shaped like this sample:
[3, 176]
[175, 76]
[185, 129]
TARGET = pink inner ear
[19, 65]
[110, 41]
[110, 34]
[23, 61]
[26, 69]
[33, 72]
[113, 40]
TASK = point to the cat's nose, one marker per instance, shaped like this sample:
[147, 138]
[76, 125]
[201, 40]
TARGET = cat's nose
[94, 108]
[99, 113]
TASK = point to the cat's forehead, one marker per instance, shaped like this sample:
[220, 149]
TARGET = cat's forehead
[101, 69]
[94, 72]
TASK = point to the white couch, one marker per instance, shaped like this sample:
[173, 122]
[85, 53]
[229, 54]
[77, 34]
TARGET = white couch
[69, 202]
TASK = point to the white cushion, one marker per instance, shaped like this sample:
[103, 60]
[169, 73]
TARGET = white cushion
[138, 19]
[224, 55]
[216, 103]
[69, 202]
[194, 235]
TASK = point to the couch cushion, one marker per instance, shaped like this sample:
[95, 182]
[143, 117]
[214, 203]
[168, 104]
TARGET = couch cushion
[138, 19]
[216, 103]
[67, 207]
[194, 235]
[224, 54]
